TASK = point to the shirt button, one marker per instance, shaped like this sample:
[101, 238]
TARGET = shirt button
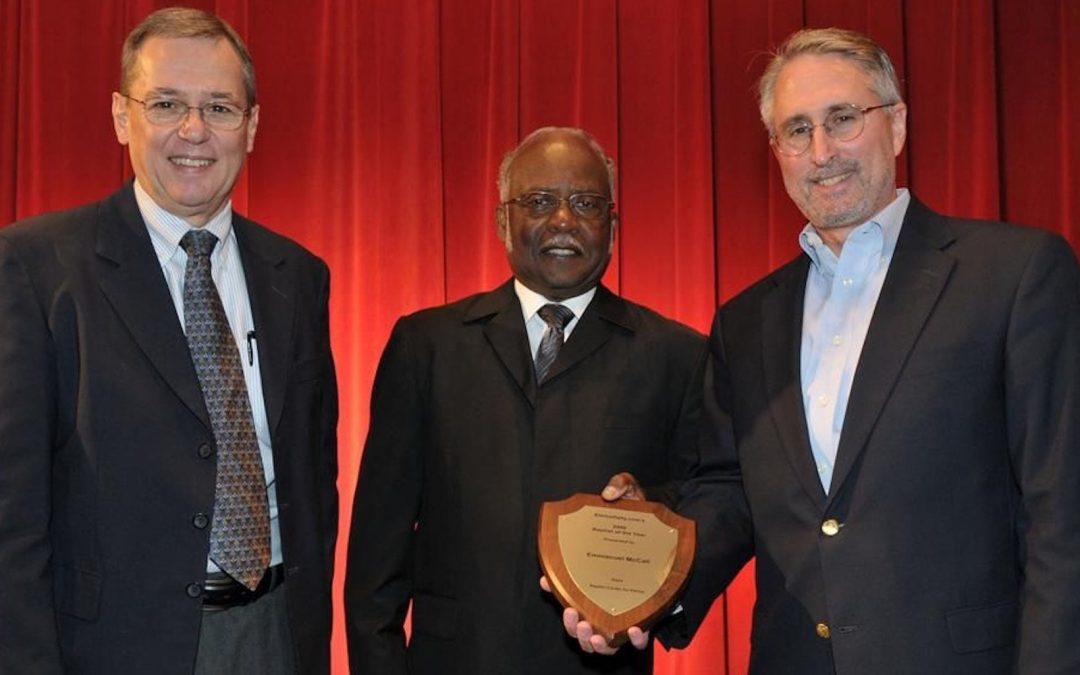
[848, 281]
[205, 450]
[823, 401]
[822, 630]
[830, 528]
[200, 521]
[193, 590]
[836, 339]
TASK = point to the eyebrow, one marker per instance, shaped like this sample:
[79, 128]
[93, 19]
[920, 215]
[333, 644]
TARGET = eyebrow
[836, 107]
[176, 93]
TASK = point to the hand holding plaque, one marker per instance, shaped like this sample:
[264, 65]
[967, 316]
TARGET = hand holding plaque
[619, 564]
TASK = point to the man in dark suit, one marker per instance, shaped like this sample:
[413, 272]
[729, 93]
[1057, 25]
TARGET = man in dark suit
[168, 402]
[898, 410]
[476, 421]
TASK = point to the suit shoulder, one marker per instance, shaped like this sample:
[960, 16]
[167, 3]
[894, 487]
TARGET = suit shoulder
[650, 321]
[441, 316]
[263, 238]
[53, 226]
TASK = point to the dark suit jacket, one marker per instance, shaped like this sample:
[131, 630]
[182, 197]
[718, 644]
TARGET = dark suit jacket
[104, 441]
[463, 448]
[957, 480]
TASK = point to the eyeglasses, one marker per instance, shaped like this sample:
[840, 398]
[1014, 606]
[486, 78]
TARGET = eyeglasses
[844, 123]
[167, 112]
[539, 204]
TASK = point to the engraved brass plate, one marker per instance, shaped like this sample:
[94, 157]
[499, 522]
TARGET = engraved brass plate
[620, 564]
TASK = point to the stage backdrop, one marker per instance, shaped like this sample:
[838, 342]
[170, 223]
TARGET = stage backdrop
[383, 123]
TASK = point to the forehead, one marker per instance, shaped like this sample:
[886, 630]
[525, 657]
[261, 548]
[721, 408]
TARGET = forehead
[811, 84]
[190, 65]
[558, 162]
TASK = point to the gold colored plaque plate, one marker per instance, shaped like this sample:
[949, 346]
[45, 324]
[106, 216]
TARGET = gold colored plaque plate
[620, 564]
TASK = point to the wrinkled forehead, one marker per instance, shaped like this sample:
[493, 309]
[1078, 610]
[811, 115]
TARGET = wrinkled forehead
[812, 85]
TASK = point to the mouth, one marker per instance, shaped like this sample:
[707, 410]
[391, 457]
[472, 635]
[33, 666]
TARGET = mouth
[191, 162]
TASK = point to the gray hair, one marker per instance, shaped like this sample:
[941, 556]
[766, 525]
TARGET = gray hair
[508, 159]
[183, 22]
[848, 44]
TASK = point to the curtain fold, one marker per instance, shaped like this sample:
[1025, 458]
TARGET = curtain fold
[383, 124]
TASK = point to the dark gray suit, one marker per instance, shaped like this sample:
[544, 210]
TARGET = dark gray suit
[106, 445]
[956, 492]
[463, 448]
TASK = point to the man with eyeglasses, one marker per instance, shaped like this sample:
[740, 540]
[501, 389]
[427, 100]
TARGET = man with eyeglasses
[168, 402]
[484, 408]
[892, 420]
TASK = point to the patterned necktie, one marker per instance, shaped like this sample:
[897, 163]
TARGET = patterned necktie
[240, 536]
[556, 317]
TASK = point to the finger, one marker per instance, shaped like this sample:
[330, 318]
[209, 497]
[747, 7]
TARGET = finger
[544, 584]
[584, 632]
[570, 620]
[622, 486]
[639, 638]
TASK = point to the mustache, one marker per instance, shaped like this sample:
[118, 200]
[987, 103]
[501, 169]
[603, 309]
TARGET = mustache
[834, 168]
[564, 241]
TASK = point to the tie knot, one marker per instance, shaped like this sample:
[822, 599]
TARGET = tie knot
[198, 242]
[556, 315]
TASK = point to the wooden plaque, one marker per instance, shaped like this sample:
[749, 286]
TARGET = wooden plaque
[619, 564]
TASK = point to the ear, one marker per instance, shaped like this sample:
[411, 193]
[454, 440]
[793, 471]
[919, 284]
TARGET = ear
[898, 119]
[252, 126]
[501, 224]
[120, 115]
[613, 224]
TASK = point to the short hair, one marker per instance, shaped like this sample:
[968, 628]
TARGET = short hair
[508, 159]
[848, 44]
[183, 22]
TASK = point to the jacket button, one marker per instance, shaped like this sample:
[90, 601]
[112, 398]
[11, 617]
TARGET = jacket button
[200, 521]
[205, 450]
[193, 590]
[830, 528]
[822, 630]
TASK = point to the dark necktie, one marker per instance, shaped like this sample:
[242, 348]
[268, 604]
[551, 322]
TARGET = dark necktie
[556, 317]
[240, 536]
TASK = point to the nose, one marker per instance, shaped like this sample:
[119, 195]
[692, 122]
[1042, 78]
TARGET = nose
[192, 127]
[563, 216]
[822, 147]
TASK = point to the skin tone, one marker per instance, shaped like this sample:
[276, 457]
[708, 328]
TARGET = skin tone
[188, 169]
[838, 185]
[560, 255]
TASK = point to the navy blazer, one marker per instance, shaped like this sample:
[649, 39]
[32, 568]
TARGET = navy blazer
[949, 539]
[106, 446]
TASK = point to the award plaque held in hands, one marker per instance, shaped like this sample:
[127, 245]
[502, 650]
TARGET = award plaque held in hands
[619, 564]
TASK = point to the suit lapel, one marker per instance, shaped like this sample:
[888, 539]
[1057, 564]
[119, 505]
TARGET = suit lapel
[593, 329]
[133, 284]
[916, 277]
[505, 332]
[781, 332]
[273, 306]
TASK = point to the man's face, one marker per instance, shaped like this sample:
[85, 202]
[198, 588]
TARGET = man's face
[189, 169]
[561, 254]
[837, 185]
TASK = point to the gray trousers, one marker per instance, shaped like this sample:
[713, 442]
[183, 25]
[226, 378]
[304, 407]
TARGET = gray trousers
[253, 639]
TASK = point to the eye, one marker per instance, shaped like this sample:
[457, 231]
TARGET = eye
[221, 109]
[538, 201]
[588, 202]
[163, 105]
[797, 131]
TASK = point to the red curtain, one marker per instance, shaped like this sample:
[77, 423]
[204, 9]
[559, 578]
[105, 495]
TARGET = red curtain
[383, 123]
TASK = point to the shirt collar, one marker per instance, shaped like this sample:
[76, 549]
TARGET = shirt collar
[166, 229]
[531, 301]
[888, 221]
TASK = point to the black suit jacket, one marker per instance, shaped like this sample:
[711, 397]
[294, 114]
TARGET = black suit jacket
[463, 448]
[104, 438]
[956, 489]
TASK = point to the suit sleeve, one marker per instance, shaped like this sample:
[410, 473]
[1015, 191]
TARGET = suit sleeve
[1042, 389]
[713, 497]
[328, 419]
[379, 584]
[29, 639]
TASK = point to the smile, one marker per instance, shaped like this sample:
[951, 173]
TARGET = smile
[193, 162]
[833, 180]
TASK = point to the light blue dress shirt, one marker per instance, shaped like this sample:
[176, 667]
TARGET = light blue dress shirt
[166, 230]
[531, 302]
[841, 293]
